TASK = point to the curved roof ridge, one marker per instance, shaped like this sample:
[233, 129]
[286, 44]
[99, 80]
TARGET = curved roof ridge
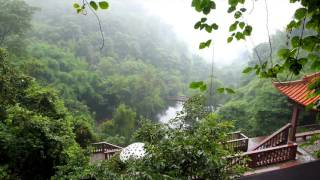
[311, 76]
[298, 90]
[288, 82]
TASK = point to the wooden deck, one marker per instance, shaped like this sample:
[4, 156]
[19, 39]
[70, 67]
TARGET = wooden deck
[305, 135]
[103, 151]
[274, 152]
[301, 158]
[305, 171]
[253, 142]
[265, 153]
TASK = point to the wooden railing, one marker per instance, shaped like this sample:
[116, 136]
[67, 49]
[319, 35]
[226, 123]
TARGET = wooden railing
[103, 147]
[264, 157]
[237, 142]
[108, 154]
[310, 127]
[106, 148]
[280, 137]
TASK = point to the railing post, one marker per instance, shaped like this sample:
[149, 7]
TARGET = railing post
[294, 121]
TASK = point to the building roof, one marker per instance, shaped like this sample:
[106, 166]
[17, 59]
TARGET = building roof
[298, 90]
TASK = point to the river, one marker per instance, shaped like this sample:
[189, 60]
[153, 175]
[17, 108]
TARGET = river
[170, 113]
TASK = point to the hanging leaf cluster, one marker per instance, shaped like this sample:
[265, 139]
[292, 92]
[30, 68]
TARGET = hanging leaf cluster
[198, 85]
[239, 29]
[92, 4]
[205, 7]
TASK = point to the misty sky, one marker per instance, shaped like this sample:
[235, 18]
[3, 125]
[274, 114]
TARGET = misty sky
[182, 17]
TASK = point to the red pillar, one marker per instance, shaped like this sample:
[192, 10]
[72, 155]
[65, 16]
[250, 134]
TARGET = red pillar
[294, 122]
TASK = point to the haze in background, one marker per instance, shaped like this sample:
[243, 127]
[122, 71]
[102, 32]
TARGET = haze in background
[182, 17]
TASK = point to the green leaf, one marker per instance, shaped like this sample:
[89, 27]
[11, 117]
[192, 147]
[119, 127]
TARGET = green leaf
[230, 91]
[197, 5]
[213, 5]
[202, 45]
[195, 85]
[208, 28]
[197, 25]
[237, 15]
[231, 9]
[233, 26]
[104, 5]
[241, 25]
[300, 13]
[233, 2]
[205, 44]
[206, 10]
[313, 23]
[208, 43]
[229, 40]
[247, 70]
[220, 90]
[303, 61]
[203, 19]
[215, 26]
[295, 41]
[247, 30]
[284, 53]
[308, 43]
[94, 5]
[76, 6]
[202, 26]
[313, 57]
[316, 64]
[292, 24]
[239, 36]
[243, 9]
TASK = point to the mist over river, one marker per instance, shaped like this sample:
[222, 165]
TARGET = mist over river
[170, 113]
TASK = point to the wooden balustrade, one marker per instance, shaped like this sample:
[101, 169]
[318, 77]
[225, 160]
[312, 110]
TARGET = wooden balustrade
[102, 147]
[234, 135]
[106, 148]
[237, 142]
[280, 137]
[310, 127]
[264, 157]
[272, 155]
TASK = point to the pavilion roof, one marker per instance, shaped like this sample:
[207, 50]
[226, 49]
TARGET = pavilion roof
[298, 90]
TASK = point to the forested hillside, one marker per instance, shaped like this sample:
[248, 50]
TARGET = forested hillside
[141, 64]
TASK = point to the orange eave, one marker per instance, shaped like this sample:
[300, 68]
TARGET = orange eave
[298, 90]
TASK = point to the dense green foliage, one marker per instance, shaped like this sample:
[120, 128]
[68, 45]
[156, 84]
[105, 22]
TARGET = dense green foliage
[15, 20]
[257, 109]
[122, 126]
[172, 153]
[139, 66]
[35, 128]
